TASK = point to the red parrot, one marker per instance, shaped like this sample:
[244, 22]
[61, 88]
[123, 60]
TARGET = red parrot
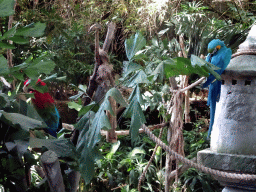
[44, 105]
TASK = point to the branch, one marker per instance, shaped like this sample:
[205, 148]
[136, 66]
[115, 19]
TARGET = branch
[109, 37]
[5, 82]
[193, 84]
[190, 86]
[126, 132]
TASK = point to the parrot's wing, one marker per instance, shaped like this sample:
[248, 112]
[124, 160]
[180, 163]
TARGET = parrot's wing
[52, 120]
[209, 80]
[227, 58]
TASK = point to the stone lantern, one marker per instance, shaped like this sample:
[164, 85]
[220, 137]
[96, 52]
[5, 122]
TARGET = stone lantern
[233, 138]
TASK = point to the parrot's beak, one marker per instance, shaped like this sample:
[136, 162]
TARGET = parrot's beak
[213, 51]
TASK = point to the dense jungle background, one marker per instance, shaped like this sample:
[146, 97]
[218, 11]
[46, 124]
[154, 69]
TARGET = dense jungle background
[148, 58]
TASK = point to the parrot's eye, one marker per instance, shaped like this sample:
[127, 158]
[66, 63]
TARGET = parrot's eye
[218, 47]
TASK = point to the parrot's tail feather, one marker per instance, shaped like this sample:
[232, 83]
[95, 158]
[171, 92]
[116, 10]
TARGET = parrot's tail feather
[212, 113]
[51, 132]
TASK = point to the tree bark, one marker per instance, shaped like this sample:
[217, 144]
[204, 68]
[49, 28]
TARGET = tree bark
[185, 83]
[168, 162]
[9, 51]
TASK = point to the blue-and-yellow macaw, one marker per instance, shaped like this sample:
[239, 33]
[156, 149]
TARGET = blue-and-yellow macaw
[219, 55]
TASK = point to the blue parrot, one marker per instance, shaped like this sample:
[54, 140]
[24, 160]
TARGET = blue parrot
[218, 55]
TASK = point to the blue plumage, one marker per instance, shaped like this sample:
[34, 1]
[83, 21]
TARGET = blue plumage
[52, 120]
[219, 55]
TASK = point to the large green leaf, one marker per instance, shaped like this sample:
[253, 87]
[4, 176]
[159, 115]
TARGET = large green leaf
[86, 163]
[88, 155]
[3, 100]
[26, 123]
[115, 93]
[135, 112]
[134, 44]
[62, 147]
[74, 105]
[90, 125]
[44, 66]
[10, 32]
[19, 40]
[31, 111]
[6, 8]
[6, 45]
[36, 68]
[136, 94]
[85, 122]
[92, 106]
[32, 30]
[132, 67]
[197, 61]
[139, 77]
[3, 65]
[113, 149]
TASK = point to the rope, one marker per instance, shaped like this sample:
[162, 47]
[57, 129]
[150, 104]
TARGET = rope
[244, 52]
[221, 174]
[142, 177]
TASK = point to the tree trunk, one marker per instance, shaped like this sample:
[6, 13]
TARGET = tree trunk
[168, 162]
[9, 51]
[185, 83]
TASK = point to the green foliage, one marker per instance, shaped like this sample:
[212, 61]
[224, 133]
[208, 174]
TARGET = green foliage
[197, 181]
[6, 8]
[195, 140]
[135, 112]
[134, 44]
[122, 164]
[90, 125]
[18, 119]
[32, 30]
[72, 52]
[203, 66]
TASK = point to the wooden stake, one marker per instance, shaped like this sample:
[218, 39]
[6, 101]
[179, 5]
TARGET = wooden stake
[51, 166]
[111, 134]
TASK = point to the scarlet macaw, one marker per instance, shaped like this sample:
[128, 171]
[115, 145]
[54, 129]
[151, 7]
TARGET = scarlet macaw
[44, 105]
[219, 55]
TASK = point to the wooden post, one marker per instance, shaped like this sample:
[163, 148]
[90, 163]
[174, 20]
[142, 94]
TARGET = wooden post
[111, 134]
[74, 178]
[52, 170]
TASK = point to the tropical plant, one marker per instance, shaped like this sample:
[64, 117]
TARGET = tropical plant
[19, 120]
[151, 72]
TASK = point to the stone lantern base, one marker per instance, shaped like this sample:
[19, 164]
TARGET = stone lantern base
[230, 163]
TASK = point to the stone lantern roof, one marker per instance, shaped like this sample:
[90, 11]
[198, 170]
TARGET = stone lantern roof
[243, 62]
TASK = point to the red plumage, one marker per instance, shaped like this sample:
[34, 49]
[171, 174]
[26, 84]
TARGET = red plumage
[42, 100]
